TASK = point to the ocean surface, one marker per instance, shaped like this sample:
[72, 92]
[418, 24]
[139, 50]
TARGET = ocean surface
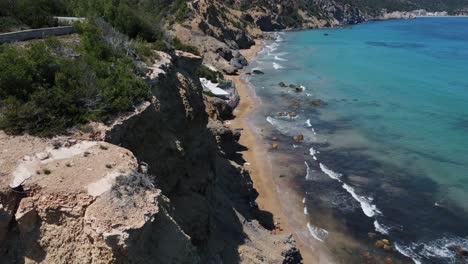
[383, 108]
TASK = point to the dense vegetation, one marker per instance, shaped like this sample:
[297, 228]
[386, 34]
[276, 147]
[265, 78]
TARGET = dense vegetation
[20, 14]
[49, 86]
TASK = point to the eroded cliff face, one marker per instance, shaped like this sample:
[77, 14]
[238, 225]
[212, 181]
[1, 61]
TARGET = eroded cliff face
[219, 30]
[212, 197]
[159, 185]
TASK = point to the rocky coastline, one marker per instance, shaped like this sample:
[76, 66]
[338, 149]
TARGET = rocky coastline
[168, 182]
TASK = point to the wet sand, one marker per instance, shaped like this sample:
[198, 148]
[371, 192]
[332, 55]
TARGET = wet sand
[257, 160]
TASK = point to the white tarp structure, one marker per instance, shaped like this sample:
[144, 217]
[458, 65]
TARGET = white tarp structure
[213, 88]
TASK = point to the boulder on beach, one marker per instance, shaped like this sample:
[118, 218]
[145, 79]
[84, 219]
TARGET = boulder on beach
[282, 84]
[274, 146]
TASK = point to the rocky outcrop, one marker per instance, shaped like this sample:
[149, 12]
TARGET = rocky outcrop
[212, 197]
[84, 201]
[162, 184]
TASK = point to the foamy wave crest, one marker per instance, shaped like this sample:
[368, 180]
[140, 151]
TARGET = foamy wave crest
[318, 233]
[272, 47]
[382, 229]
[303, 200]
[313, 131]
[313, 152]
[407, 252]
[306, 212]
[330, 173]
[440, 249]
[279, 58]
[308, 123]
[277, 66]
[307, 177]
[366, 202]
[367, 207]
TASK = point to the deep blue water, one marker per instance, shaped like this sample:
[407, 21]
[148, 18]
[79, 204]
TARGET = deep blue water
[392, 131]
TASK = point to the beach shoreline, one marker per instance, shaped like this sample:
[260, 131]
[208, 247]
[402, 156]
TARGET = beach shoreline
[257, 161]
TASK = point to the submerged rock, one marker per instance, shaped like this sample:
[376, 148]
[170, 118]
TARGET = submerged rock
[299, 138]
[257, 72]
[316, 102]
[461, 251]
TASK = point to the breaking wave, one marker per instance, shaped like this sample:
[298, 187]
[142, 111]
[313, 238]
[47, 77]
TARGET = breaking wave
[382, 229]
[277, 66]
[318, 233]
[330, 173]
[366, 202]
[441, 249]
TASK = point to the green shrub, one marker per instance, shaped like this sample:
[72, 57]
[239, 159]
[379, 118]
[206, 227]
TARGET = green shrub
[178, 45]
[44, 94]
[205, 72]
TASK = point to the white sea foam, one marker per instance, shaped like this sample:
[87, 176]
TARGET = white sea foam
[279, 58]
[308, 123]
[277, 66]
[292, 129]
[318, 233]
[382, 229]
[308, 94]
[272, 47]
[295, 146]
[306, 212]
[330, 173]
[313, 152]
[441, 249]
[367, 207]
[308, 176]
[406, 251]
[366, 202]
[313, 131]
[303, 200]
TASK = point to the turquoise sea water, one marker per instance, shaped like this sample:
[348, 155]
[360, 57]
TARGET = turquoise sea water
[388, 149]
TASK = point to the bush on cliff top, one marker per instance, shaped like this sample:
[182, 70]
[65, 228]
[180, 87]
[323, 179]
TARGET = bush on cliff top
[44, 93]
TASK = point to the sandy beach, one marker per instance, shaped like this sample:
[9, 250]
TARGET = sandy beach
[256, 156]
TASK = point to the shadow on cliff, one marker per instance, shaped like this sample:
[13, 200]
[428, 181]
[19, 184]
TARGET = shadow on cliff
[209, 195]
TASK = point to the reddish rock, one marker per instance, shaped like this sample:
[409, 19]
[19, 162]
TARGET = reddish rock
[299, 138]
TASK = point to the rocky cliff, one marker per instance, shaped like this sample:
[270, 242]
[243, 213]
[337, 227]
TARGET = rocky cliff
[218, 30]
[162, 184]
[159, 185]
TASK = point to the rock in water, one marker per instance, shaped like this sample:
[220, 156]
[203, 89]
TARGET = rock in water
[461, 251]
[257, 72]
[299, 138]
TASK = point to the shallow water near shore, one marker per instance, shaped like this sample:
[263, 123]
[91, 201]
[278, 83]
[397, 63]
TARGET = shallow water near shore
[384, 115]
